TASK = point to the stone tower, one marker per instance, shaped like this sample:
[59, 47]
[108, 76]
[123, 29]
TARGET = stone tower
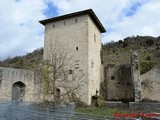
[81, 33]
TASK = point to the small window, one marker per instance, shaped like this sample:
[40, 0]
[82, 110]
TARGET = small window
[94, 37]
[92, 64]
[77, 48]
[112, 77]
[76, 61]
[76, 67]
[53, 25]
[70, 72]
[64, 23]
[76, 20]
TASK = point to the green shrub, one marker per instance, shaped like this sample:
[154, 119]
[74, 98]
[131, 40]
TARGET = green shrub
[46, 78]
[149, 42]
[146, 66]
[148, 58]
[125, 44]
[98, 101]
[120, 41]
[111, 65]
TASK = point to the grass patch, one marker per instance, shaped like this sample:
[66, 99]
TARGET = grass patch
[146, 66]
[103, 111]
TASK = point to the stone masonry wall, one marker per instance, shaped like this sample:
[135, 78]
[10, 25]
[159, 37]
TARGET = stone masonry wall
[145, 107]
[94, 59]
[136, 76]
[119, 83]
[150, 83]
[9, 76]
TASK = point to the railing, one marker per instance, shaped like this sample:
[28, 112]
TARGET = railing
[18, 110]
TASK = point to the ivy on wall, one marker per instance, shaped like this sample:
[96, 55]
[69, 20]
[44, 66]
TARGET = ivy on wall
[46, 78]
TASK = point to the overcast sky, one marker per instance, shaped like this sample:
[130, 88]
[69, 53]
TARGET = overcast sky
[21, 33]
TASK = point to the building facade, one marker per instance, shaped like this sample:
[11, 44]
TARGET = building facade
[80, 33]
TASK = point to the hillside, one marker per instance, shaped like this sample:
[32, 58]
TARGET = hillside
[148, 48]
[119, 52]
[113, 53]
[29, 61]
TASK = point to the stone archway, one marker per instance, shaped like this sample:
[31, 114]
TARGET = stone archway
[18, 91]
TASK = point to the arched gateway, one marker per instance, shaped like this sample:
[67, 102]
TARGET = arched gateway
[18, 91]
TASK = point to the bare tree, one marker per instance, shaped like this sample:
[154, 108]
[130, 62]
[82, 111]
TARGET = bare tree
[61, 79]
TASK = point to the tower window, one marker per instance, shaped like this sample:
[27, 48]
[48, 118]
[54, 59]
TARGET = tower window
[64, 23]
[77, 48]
[92, 64]
[76, 67]
[53, 25]
[70, 72]
[94, 37]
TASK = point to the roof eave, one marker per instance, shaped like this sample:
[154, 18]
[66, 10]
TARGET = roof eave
[89, 11]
